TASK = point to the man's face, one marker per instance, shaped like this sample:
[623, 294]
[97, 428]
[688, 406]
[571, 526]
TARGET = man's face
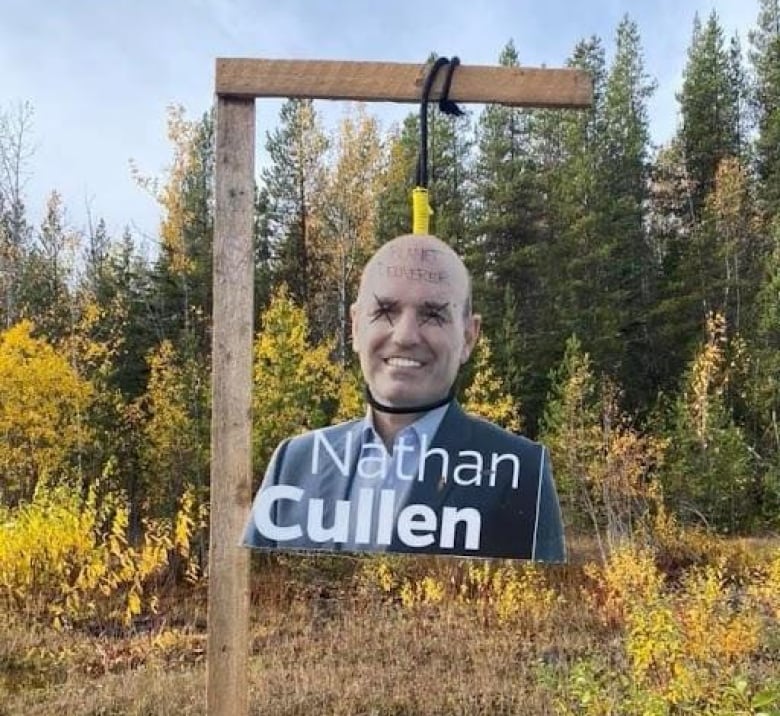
[408, 323]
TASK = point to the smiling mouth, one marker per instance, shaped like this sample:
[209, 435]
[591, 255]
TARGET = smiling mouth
[398, 362]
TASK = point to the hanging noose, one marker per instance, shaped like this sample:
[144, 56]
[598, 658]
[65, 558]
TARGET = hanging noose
[421, 208]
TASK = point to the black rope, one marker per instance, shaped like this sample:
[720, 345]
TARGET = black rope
[407, 409]
[445, 105]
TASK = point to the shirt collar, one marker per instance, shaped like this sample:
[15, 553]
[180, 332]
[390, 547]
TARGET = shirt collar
[426, 424]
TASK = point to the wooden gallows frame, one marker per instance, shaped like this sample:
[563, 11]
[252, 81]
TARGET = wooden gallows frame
[238, 83]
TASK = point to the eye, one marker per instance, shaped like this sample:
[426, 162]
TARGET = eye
[384, 311]
[433, 313]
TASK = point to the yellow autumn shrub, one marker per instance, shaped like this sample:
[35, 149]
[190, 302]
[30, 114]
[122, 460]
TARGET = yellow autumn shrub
[174, 454]
[379, 574]
[521, 595]
[685, 643]
[512, 594]
[425, 591]
[65, 558]
[718, 625]
[764, 589]
[629, 577]
[41, 412]
[487, 396]
[351, 401]
[296, 385]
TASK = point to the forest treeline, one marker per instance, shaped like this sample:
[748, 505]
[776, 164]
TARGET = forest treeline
[630, 293]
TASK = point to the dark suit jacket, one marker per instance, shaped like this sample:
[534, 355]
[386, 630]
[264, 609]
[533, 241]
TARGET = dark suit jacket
[522, 522]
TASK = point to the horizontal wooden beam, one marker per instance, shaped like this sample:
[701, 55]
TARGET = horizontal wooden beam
[397, 82]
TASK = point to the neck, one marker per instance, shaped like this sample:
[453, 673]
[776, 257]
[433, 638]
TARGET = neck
[388, 425]
[389, 420]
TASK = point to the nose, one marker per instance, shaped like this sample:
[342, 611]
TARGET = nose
[406, 330]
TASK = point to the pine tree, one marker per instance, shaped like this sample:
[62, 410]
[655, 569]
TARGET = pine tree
[536, 205]
[125, 299]
[294, 182]
[710, 108]
[598, 261]
[759, 390]
[96, 257]
[512, 355]
[739, 85]
[394, 203]
[509, 239]
[712, 267]
[44, 295]
[570, 159]
[625, 262]
[110, 342]
[182, 274]
[697, 171]
[765, 59]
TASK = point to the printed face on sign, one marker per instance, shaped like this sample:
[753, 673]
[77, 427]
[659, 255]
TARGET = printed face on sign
[409, 323]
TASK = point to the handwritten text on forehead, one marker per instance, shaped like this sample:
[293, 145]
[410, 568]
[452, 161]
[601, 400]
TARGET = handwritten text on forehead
[414, 253]
[416, 273]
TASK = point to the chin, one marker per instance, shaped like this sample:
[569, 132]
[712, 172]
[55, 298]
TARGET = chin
[395, 396]
[402, 398]
[397, 400]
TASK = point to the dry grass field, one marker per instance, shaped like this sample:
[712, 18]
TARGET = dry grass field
[403, 637]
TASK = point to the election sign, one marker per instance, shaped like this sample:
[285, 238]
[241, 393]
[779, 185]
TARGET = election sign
[468, 489]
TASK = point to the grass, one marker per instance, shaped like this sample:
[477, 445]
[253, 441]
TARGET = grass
[320, 656]
[328, 638]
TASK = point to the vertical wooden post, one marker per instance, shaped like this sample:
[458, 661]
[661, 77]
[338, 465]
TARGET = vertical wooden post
[231, 427]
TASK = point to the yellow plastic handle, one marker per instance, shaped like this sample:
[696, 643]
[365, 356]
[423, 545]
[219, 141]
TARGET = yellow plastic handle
[421, 211]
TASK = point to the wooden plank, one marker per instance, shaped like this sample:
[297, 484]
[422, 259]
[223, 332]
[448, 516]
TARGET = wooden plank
[231, 426]
[397, 82]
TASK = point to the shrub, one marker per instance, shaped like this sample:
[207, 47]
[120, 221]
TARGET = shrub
[684, 646]
[41, 412]
[66, 558]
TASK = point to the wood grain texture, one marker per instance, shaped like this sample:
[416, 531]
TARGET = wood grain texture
[231, 422]
[397, 82]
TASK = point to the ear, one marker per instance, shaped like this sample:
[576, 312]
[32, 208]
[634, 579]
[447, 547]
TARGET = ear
[353, 314]
[471, 330]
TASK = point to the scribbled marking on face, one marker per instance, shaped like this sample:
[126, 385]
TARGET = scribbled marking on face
[428, 312]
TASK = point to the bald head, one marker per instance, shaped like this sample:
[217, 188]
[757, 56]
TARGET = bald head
[419, 259]
[412, 324]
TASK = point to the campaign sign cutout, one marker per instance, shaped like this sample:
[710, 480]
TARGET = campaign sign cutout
[453, 485]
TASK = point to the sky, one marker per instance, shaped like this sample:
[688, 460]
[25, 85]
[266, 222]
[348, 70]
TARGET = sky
[99, 74]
